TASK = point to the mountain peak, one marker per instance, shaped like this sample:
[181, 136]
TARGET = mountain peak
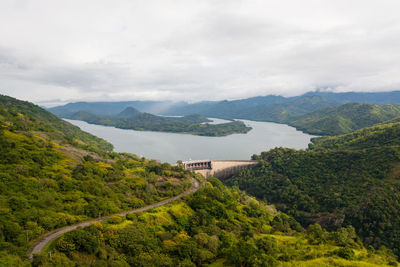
[128, 113]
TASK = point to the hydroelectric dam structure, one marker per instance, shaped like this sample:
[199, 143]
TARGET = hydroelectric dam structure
[221, 169]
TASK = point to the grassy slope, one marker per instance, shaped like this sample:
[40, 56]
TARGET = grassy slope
[52, 174]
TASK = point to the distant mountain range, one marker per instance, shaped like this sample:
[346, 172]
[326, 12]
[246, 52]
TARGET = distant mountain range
[226, 108]
[314, 112]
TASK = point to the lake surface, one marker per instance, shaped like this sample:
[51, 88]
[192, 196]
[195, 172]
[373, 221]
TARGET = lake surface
[171, 147]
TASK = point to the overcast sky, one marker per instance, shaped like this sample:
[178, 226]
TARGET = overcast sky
[53, 51]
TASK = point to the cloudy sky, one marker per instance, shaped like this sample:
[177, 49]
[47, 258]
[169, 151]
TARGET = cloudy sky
[54, 51]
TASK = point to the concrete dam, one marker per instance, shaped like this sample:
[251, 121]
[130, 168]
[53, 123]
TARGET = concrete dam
[217, 168]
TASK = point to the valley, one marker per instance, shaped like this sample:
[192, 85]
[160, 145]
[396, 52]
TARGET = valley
[199, 133]
[99, 204]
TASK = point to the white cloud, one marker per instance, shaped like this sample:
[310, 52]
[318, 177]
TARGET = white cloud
[194, 50]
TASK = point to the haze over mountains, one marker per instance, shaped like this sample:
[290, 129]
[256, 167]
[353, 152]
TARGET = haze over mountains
[322, 113]
[228, 108]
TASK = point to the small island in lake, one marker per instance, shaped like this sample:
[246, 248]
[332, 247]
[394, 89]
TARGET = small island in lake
[131, 118]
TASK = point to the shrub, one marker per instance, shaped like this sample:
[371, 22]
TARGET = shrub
[345, 253]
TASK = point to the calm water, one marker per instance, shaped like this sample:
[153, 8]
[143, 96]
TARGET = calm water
[170, 147]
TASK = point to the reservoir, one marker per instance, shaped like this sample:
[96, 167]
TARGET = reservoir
[171, 147]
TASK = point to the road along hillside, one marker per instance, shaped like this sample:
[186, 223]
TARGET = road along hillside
[41, 243]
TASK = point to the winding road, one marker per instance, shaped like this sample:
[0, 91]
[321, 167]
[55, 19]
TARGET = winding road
[41, 243]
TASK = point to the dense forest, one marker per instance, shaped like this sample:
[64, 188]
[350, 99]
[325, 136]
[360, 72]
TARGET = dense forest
[216, 226]
[52, 174]
[130, 118]
[339, 181]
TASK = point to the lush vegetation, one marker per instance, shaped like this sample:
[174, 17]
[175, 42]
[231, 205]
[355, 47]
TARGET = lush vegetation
[16, 115]
[53, 175]
[216, 226]
[345, 119]
[195, 124]
[352, 179]
[381, 135]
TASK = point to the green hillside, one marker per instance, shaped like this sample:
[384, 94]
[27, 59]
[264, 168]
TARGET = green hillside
[50, 178]
[380, 135]
[16, 115]
[345, 118]
[52, 174]
[216, 226]
[351, 179]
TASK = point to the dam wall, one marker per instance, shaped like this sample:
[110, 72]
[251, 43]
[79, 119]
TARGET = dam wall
[221, 169]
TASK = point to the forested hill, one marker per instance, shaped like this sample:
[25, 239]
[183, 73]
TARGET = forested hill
[344, 119]
[130, 118]
[53, 174]
[49, 179]
[351, 179]
[380, 135]
[16, 115]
